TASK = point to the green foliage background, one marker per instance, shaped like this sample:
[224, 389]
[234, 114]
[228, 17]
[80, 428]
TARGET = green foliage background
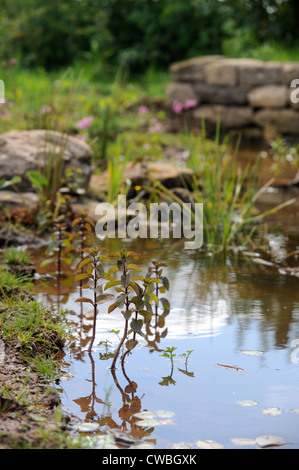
[140, 33]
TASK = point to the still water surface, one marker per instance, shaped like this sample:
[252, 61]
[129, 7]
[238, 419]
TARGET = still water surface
[230, 312]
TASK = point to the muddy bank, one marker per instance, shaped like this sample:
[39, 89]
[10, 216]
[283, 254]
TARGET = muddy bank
[29, 406]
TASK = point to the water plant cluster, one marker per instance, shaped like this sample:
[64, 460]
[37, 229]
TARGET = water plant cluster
[139, 297]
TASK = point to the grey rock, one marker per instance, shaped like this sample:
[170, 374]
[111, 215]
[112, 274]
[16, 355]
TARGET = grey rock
[21, 151]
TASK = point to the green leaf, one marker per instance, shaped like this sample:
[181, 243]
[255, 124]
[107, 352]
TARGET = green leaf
[83, 263]
[165, 282]
[112, 284]
[37, 179]
[134, 266]
[154, 297]
[82, 276]
[127, 314]
[48, 261]
[125, 280]
[136, 326]
[166, 304]
[136, 288]
[5, 183]
[120, 300]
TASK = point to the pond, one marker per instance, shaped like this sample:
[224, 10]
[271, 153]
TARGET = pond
[233, 331]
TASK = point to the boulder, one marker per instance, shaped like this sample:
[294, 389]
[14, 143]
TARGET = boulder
[21, 151]
[140, 173]
[268, 96]
[11, 199]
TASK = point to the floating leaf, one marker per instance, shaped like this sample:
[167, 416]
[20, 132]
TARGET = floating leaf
[274, 411]
[252, 352]
[269, 441]
[145, 415]
[243, 441]
[247, 403]
[180, 445]
[88, 427]
[148, 423]
[208, 445]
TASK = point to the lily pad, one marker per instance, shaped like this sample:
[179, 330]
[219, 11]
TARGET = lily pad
[87, 427]
[269, 441]
[180, 445]
[274, 411]
[208, 444]
[247, 403]
[252, 352]
[243, 441]
[145, 415]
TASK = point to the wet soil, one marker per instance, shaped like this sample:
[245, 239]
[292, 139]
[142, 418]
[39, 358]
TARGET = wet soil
[27, 406]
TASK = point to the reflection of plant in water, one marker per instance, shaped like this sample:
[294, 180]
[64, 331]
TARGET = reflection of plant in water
[169, 353]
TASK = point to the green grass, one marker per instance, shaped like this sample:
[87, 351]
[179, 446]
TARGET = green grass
[38, 331]
[14, 256]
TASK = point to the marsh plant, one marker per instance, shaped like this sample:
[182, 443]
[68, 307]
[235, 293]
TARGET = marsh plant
[137, 296]
[59, 249]
[83, 234]
[93, 279]
[138, 299]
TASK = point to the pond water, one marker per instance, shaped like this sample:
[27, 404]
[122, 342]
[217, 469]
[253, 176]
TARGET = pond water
[241, 321]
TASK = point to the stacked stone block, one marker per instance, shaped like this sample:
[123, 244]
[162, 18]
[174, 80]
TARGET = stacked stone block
[246, 93]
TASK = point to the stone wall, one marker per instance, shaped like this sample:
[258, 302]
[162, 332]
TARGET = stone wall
[249, 94]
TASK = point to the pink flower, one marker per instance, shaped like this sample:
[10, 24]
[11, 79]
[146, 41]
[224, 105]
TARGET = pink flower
[190, 104]
[85, 122]
[156, 128]
[143, 110]
[45, 109]
[177, 106]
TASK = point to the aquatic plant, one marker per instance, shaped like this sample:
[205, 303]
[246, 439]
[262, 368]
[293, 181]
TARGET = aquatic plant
[59, 248]
[136, 295]
[93, 262]
[83, 234]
